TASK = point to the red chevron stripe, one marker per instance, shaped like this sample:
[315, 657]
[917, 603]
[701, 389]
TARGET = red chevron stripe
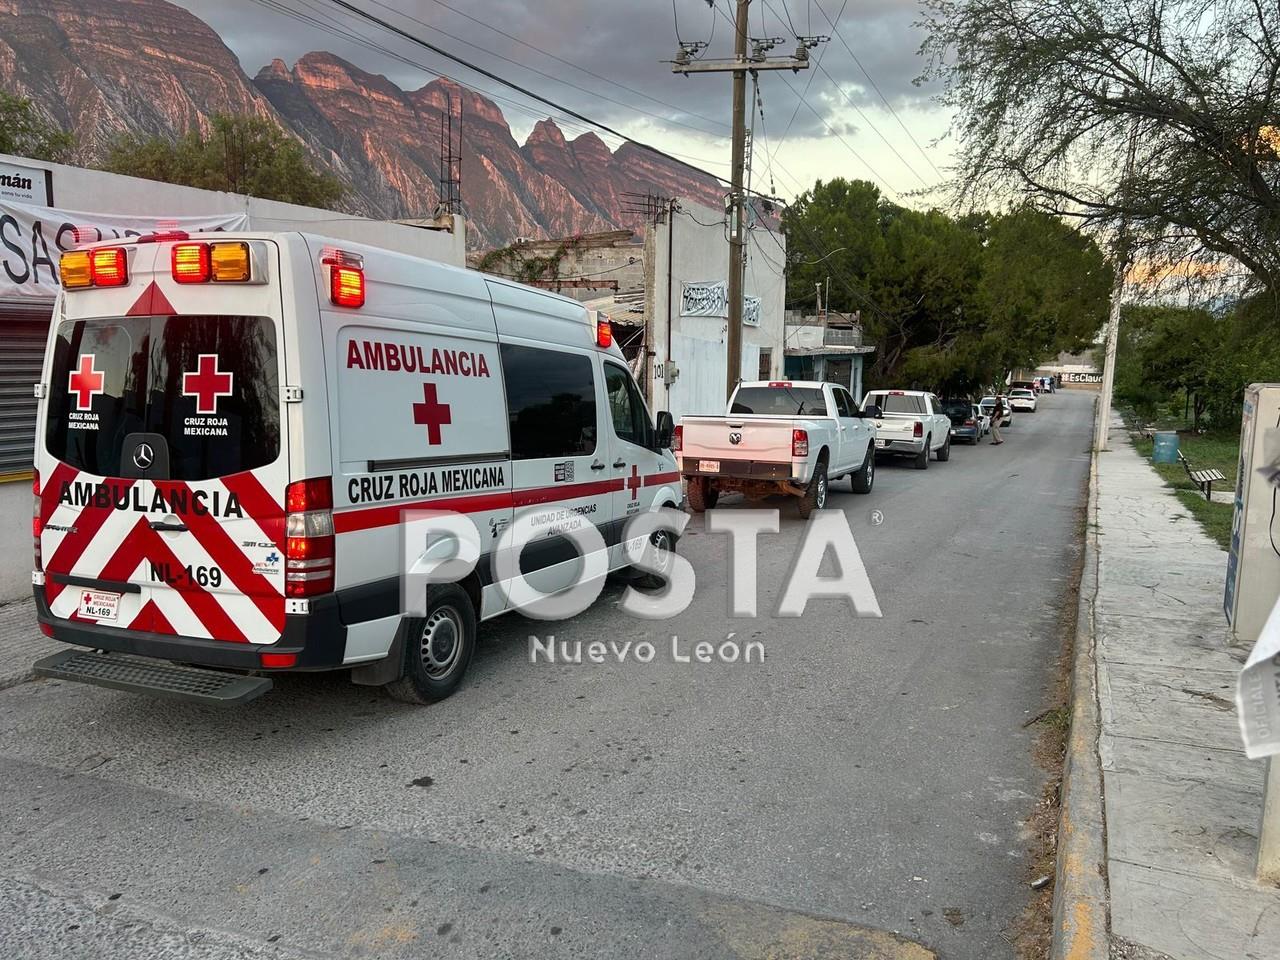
[85, 527]
[259, 505]
[235, 565]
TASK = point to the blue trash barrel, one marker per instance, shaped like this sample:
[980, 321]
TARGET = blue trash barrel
[1166, 448]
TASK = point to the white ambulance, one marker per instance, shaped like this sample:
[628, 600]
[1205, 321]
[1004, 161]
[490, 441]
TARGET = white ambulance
[231, 427]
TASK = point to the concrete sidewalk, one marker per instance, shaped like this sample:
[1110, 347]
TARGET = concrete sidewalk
[1182, 803]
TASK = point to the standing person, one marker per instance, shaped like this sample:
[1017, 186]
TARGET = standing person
[997, 415]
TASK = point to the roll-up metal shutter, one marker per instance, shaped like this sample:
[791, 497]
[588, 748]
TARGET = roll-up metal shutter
[22, 338]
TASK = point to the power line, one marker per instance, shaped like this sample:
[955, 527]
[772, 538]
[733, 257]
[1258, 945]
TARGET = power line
[868, 122]
[541, 73]
[808, 83]
[579, 67]
[831, 130]
[440, 51]
[875, 86]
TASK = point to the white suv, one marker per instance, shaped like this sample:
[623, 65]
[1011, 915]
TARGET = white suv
[1022, 399]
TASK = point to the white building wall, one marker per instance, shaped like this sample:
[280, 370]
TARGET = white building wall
[694, 248]
[96, 191]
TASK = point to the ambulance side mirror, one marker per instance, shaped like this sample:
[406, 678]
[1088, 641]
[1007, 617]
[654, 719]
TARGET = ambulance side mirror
[664, 430]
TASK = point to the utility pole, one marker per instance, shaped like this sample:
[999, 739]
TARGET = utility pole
[741, 64]
[1103, 424]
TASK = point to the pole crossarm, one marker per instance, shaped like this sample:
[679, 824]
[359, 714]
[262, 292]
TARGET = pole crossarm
[739, 66]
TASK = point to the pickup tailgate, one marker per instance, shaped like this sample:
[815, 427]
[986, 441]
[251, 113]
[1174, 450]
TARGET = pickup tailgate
[896, 428]
[753, 438]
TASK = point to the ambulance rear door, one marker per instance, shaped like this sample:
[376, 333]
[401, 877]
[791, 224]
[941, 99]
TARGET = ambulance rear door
[201, 442]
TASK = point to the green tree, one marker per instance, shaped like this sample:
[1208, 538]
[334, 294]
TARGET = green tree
[1166, 352]
[24, 133]
[240, 154]
[1049, 97]
[949, 304]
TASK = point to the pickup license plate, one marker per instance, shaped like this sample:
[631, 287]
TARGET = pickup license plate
[99, 605]
[708, 466]
[881, 443]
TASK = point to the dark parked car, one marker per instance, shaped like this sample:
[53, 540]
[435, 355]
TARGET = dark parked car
[964, 425]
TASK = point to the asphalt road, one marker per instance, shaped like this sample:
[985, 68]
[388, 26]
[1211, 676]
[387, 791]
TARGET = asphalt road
[860, 793]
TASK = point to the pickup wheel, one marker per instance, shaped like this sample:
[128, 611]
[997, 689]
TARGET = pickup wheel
[862, 479]
[815, 495]
[702, 495]
[944, 452]
[921, 461]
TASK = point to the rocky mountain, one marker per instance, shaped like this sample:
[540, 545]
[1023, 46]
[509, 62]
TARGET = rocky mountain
[149, 67]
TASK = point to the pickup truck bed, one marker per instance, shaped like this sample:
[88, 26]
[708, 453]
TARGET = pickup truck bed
[796, 448]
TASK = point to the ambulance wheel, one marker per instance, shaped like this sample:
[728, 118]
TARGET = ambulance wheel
[702, 495]
[437, 648]
[664, 546]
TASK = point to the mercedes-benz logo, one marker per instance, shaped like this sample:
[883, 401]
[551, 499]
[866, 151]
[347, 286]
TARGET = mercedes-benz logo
[735, 438]
[143, 456]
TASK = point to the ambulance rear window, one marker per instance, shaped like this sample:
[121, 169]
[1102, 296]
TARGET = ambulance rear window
[207, 385]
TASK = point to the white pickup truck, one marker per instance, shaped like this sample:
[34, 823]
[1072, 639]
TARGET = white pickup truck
[780, 436]
[911, 423]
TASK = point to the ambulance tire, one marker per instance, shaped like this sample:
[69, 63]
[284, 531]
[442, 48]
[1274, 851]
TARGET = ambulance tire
[656, 581]
[437, 648]
[702, 496]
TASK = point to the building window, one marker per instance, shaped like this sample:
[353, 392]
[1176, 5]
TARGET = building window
[766, 363]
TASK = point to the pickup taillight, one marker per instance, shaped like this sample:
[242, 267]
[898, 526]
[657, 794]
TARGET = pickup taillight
[917, 429]
[677, 439]
[799, 443]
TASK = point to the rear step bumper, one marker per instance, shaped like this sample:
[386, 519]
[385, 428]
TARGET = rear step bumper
[136, 675]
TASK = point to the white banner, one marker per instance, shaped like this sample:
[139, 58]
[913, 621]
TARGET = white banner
[33, 237]
[1258, 692]
[711, 299]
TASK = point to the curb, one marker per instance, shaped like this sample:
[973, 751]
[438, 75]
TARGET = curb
[1080, 899]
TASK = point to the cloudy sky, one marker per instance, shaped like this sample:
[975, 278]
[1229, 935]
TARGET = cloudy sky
[602, 58]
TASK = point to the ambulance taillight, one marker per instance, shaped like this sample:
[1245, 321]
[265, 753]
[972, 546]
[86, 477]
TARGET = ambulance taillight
[309, 541]
[37, 525]
[604, 334]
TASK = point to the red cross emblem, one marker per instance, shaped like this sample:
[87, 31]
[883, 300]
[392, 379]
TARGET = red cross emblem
[633, 481]
[86, 383]
[432, 413]
[206, 383]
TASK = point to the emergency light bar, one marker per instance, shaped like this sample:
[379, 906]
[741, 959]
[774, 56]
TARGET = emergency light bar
[225, 261]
